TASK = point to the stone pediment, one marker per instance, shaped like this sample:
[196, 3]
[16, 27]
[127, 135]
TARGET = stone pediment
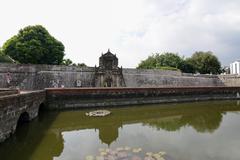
[108, 74]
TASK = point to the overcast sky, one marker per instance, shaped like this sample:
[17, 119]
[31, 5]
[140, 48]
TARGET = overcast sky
[132, 29]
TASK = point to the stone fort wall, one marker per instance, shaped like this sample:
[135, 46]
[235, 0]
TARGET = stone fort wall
[33, 77]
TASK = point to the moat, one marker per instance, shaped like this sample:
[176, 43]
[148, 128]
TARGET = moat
[184, 131]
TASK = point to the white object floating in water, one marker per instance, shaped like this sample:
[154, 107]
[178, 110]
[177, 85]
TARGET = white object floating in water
[137, 150]
[89, 158]
[98, 113]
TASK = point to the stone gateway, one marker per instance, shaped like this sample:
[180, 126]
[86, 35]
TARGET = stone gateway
[108, 74]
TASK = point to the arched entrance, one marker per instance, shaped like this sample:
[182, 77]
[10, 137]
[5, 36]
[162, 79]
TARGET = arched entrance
[23, 118]
[108, 82]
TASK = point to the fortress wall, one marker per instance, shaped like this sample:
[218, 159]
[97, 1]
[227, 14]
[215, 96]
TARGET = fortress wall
[32, 77]
[76, 98]
[155, 78]
[230, 80]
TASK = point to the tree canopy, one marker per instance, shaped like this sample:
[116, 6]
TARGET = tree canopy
[205, 62]
[5, 58]
[158, 61]
[34, 45]
[202, 62]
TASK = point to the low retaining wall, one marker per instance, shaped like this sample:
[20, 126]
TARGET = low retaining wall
[4, 92]
[16, 106]
[106, 97]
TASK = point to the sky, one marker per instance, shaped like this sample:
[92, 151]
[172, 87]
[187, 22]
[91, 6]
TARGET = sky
[131, 29]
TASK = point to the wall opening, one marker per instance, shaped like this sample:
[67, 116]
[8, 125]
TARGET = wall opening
[24, 118]
[41, 107]
[41, 110]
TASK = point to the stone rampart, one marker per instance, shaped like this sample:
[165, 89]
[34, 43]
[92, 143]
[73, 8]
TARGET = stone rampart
[103, 97]
[34, 77]
[162, 78]
[230, 80]
[18, 107]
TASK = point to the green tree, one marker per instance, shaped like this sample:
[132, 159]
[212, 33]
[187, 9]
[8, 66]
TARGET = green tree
[5, 58]
[188, 66]
[34, 45]
[161, 61]
[67, 62]
[81, 65]
[205, 62]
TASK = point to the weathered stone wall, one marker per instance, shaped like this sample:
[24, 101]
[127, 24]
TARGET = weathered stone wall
[161, 78]
[14, 105]
[103, 97]
[230, 80]
[33, 77]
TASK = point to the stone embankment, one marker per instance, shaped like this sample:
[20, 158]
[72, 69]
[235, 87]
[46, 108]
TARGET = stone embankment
[108, 97]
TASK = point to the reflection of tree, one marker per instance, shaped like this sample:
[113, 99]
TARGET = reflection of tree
[205, 122]
[43, 139]
[170, 124]
[201, 122]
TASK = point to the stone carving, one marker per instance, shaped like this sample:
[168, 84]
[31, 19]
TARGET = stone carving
[54, 83]
[79, 83]
[108, 74]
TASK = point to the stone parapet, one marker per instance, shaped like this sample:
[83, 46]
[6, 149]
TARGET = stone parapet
[108, 97]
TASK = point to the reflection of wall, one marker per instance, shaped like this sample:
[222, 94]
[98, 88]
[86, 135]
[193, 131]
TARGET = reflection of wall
[108, 133]
[204, 117]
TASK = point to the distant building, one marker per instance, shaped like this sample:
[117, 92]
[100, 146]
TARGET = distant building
[235, 67]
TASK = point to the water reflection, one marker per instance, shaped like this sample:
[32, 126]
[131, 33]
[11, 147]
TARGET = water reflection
[43, 138]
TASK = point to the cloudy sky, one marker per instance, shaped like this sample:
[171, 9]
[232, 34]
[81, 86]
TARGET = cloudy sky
[133, 29]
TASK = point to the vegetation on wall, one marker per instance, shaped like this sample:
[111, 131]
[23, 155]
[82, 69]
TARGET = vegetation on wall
[5, 58]
[68, 62]
[199, 62]
[34, 45]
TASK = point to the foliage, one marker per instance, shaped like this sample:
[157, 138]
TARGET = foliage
[205, 62]
[168, 68]
[157, 61]
[202, 62]
[67, 62]
[5, 58]
[34, 45]
[80, 65]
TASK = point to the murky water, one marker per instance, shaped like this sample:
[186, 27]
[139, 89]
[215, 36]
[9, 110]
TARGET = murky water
[186, 131]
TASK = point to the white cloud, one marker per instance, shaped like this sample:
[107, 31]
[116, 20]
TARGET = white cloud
[133, 29]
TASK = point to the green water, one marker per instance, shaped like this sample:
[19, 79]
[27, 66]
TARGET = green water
[186, 131]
